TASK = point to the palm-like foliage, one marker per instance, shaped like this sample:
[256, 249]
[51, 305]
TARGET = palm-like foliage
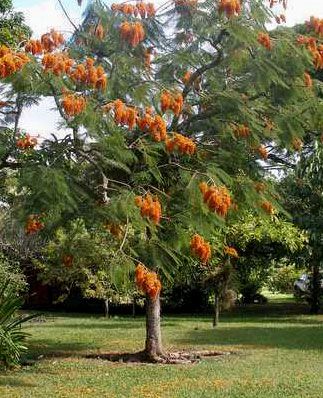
[12, 337]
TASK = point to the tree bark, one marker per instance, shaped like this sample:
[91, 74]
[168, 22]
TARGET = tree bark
[216, 310]
[153, 346]
[134, 302]
[106, 307]
[315, 288]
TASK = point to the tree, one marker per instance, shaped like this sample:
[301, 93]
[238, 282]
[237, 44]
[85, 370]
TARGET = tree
[13, 30]
[86, 259]
[170, 114]
[261, 242]
[304, 200]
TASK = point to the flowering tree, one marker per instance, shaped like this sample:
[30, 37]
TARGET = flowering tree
[175, 115]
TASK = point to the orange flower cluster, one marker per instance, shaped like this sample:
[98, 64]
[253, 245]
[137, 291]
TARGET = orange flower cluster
[186, 3]
[186, 77]
[267, 207]
[262, 151]
[308, 80]
[132, 32]
[200, 248]
[264, 40]
[260, 187]
[231, 251]
[85, 73]
[280, 19]
[11, 62]
[57, 63]
[181, 143]
[33, 224]
[147, 57]
[147, 281]
[315, 49]
[144, 10]
[48, 43]
[297, 144]
[217, 198]
[90, 75]
[157, 129]
[149, 207]
[123, 114]
[128, 116]
[173, 102]
[34, 47]
[26, 142]
[68, 260]
[99, 31]
[230, 7]
[154, 125]
[316, 24]
[241, 130]
[73, 104]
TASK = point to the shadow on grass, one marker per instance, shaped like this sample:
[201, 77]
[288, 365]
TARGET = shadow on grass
[122, 326]
[273, 319]
[44, 349]
[12, 381]
[288, 337]
[97, 325]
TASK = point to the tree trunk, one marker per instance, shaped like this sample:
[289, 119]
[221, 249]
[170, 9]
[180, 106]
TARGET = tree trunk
[216, 310]
[106, 307]
[134, 302]
[153, 347]
[315, 288]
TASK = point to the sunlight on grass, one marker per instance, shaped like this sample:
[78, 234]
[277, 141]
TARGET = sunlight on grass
[277, 354]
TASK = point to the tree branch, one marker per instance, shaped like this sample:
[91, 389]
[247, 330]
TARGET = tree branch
[67, 16]
[18, 113]
[9, 165]
[199, 72]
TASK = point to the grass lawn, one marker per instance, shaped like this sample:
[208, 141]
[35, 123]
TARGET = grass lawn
[278, 353]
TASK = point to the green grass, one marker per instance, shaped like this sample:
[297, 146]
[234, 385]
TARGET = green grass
[278, 353]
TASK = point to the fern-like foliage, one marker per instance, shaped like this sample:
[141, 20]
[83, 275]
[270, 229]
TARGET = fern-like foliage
[12, 336]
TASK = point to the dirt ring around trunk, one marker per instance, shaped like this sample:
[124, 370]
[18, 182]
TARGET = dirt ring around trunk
[169, 358]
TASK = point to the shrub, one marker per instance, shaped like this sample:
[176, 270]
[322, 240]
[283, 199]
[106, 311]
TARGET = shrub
[9, 271]
[12, 337]
[283, 278]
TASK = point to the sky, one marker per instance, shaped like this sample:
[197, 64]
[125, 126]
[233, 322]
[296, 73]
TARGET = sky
[42, 15]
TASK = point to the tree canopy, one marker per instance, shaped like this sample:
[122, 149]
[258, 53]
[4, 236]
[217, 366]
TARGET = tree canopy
[175, 116]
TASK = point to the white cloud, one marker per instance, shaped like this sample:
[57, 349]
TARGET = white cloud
[42, 120]
[299, 11]
[43, 16]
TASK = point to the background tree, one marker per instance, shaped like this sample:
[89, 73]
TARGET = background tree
[170, 114]
[302, 191]
[86, 259]
[262, 243]
[13, 30]
[283, 277]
